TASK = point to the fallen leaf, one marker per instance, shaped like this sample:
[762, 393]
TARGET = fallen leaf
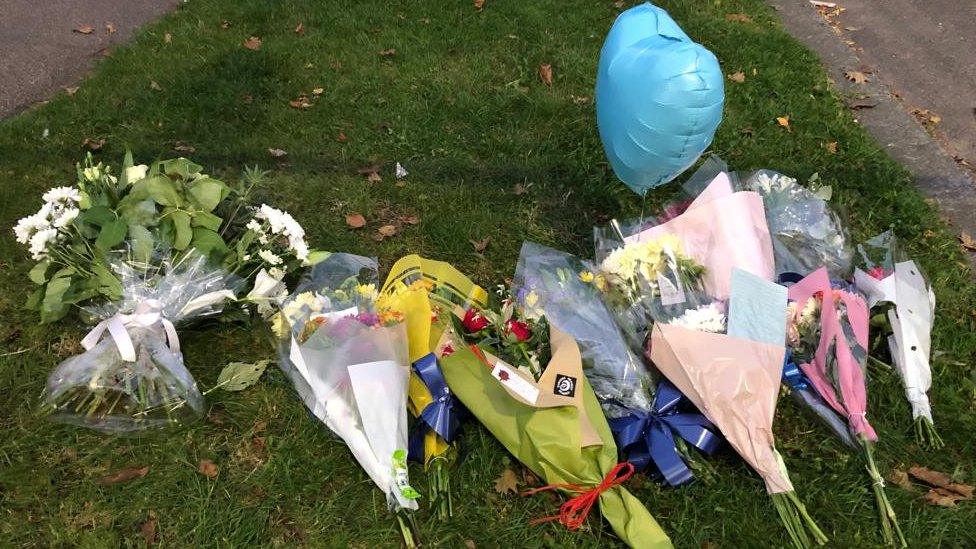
[387, 53]
[300, 29]
[739, 77]
[93, 144]
[410, 220]
[943, 497]
[253, 43]
[153, 85]
[259, 444]
[545, 74]
[355, 221]
[84, 29]
[124, 475]
[247, 98]
[259, 426]
[480, 245]
[387, 230]
[184, 148]
[207, 468]
[277, 153]
[944, 492]
[301, 102]
[167, 38]
[784, 121]
[237, 376]
[368, 169]
[900, 479]
[831, 147]
[507, 482]
[579, 99]
[857, 77]
[469, 543]
[967, 241]
[225, 24]
[71, 90]
[862, 103]
[928, 476]
[148, 529]
[520, 189]
[479, 4]
[738, 17]
[373, 177]
[341, 138]
[318, 91]
[110, 28]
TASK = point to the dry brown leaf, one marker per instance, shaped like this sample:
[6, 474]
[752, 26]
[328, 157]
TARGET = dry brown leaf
[84, 29]
[167, 38]
[184, 148]
[545, 74]
[479, 4]
[410, 220]
[857, 77]
[71, 90]
[153, 85]
[277, 153]
[300, 29]
[207, 468]
[373, 177]
[831, 147]
[784, 121]
[387, 52]
[148, 529]
[738, 77]
[480, 245]
[944, 497]
[368, 169]
[738, 17]
[387, 231]
[579, 99]
[469, 544]
[225, 24]
[318, 91]
[520, 189]
[93, 144]
[928, 476]
[507, 482]
[125, 475]
[301, 102]
[247, 98]
[253, 43]
[110, 28]
[341, 138]
[900, 479]
[355, 221]
[967, 241]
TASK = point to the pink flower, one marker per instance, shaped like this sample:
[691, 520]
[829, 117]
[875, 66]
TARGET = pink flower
[877, 272]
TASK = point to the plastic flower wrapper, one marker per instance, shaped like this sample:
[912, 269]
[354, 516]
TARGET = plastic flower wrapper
[829, 336]
[426, 292]
[733, 378]
[131, 376]
[346, 353]
[896, 287]
[806, 233]
[554, 425]
[648, 428]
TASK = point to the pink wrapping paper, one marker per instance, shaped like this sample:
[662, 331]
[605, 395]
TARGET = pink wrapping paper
[721, 230]
[851, 401]
[735, 383]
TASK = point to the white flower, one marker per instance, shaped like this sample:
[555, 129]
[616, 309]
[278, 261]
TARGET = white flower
[707, 318]
[65, 217]
[301, 250]
[135, 173]
[93, 173]
[27, 226]
[255, 225]
[40, 240]
[270, 258]
[62, 194]
[276, 272]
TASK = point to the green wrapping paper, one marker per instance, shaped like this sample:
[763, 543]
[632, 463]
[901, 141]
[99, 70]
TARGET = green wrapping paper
[549, 439]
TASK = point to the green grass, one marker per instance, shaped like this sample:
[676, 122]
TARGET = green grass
[461, 107]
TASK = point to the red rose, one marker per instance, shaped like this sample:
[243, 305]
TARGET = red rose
[474, 321]
[518, 329]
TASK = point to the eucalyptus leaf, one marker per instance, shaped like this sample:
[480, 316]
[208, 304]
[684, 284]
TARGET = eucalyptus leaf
[207, 193]
[164, 191]
[181, 223]
[112, 234]
[238, 376]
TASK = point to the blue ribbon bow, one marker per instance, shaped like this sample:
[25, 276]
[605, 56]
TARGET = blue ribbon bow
[441, 415]
[793, 376]
[643, 437]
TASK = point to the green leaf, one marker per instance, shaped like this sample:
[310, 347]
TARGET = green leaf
[33, 302]
[317, 256]
[181, 167]
[53, 306]
[107, 283]
[98, 215]
[238, 376]
[163, 191]
[127, 162]
[141, 212]
[181, 222]
[206, 241]
[38, 274]
[207, 220]
[207, 193]
[112, 234]
[142, 242]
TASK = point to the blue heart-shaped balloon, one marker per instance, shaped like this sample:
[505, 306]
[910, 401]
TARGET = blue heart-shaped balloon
[659, 98]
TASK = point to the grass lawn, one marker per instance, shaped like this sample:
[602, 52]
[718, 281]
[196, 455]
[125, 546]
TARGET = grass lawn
[461, 106]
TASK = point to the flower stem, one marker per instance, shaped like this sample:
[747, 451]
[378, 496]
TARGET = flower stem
[408, 529]
[926, 435]
[889, 522]
[798, 523]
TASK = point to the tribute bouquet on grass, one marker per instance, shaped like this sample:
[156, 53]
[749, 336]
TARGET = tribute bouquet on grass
[137, 253]
[730, 369]
[523, 379]
[829, 336]
[426, 292]
[345, 350]
[896, 287]
[652, 428]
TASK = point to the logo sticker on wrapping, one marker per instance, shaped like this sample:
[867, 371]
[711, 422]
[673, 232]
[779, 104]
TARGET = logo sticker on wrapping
[565, 386]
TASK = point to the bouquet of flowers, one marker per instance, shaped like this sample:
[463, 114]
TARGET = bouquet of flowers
[138, 252]
[345, 350]
[649, 428]
[829, 336]
[897, 287]
[545, 413]
[730, 368]
[426, 292]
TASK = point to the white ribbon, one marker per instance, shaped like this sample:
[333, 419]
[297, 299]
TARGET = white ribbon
[148, 314]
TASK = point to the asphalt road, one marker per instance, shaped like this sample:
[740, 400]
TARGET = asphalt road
[40, 53]
[925, 50]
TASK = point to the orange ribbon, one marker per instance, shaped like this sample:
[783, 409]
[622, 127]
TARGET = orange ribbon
[573, 513]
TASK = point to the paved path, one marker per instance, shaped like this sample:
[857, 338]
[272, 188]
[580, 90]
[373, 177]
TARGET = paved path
[40, 53]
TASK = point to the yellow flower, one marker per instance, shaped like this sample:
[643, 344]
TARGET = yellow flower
[600, 282]
[422, 284]
[367, 290]
[586, 276]
[531, 298]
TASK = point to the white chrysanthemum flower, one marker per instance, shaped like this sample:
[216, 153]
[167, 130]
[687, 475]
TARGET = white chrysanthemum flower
[277, 273]
[65, 217]
[40, 240]
[27, 226]
[62, 194]
[255, 225]
[300, 248]
[707, 318]
[270, 258]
